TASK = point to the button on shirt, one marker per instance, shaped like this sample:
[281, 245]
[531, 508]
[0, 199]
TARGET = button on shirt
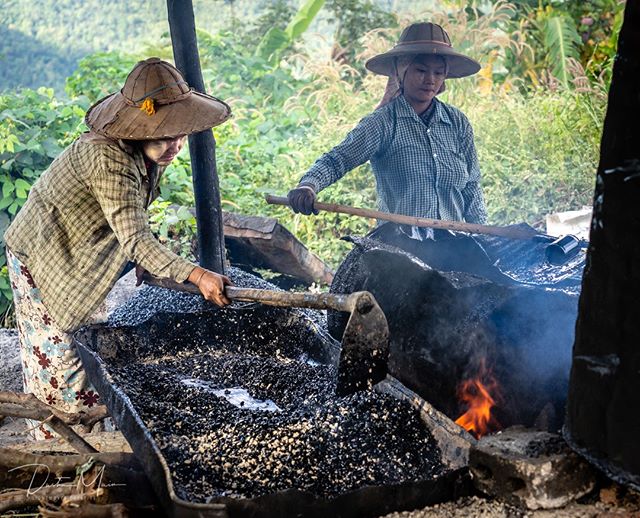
[423, 169]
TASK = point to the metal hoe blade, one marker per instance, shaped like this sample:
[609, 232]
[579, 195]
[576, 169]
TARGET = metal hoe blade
[365, 346]
[365, 342]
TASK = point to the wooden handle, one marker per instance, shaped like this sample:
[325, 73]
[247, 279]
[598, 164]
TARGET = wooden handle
[289, 299]
[513, 231]
[269, 297]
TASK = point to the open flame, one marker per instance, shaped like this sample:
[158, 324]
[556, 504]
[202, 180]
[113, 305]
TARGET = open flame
[476, 394]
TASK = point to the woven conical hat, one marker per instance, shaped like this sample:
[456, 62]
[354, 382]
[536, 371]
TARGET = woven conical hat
[172, 108]
[424, 38]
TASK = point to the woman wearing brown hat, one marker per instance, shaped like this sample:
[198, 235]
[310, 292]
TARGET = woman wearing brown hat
[421, 150]
[85, 220]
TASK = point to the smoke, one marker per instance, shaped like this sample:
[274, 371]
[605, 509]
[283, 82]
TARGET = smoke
[537, 326]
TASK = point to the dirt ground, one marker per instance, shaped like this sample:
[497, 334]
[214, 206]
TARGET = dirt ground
[479, 507]
[608, 501]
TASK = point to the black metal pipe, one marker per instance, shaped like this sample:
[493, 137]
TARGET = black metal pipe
[202, 146]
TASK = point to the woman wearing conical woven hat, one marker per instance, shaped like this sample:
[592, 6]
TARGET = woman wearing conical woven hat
[84, 223]
[421, 149]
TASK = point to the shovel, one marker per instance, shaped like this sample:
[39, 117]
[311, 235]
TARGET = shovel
[511, 231]
[558, 252]
[365, 342]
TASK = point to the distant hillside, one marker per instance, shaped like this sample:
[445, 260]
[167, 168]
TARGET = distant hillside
[41, 41]
[27, 61]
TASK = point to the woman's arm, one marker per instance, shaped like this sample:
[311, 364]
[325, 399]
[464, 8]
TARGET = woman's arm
[359, 146]
[116, 186]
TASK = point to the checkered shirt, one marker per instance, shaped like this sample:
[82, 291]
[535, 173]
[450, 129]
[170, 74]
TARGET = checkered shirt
[85, 217]
[425, 170]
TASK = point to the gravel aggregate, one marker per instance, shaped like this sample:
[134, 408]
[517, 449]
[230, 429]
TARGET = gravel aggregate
[287, 430]
[478, 507]
[10, 371]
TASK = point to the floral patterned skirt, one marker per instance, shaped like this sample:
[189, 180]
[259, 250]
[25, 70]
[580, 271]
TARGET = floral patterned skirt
[51, 367]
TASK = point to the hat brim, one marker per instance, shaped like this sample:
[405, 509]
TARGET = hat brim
[459, 65]
[113, 117]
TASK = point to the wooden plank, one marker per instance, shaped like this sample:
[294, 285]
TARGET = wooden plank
[262, 242]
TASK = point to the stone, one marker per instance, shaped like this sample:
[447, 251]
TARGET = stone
[529, 468]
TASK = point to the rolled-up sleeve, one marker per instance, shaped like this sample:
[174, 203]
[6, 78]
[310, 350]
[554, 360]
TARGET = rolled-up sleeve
[118, 191]
[359, 146]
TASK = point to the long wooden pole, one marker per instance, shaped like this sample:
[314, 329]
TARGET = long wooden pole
[202, 146]
[513, 232]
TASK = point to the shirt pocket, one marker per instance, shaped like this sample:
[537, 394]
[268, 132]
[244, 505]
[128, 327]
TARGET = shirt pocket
[453, 169]
[406, 161]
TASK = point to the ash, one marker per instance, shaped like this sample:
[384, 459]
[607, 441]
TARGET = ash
[306, 438]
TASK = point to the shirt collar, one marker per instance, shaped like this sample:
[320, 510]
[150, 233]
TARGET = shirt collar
[405, 110]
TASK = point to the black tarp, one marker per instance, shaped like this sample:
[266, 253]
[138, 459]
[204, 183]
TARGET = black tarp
[457, 301]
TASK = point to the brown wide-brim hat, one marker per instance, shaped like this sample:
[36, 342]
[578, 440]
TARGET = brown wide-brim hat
[155, 102]
[424, 38]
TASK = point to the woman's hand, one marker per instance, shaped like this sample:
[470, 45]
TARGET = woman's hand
[301, 199]
[211, 285]
[140, 271]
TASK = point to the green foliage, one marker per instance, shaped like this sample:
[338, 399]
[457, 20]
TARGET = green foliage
[276, 15]
[538, 152]
[553, 36]
[6, 295]
[276, 40]
[303, 18]
[353, 19]
[26, 61]
[99, 75]
[561, 40]
[41, 41]
[175, 227]
[53, 35]
[34, 128]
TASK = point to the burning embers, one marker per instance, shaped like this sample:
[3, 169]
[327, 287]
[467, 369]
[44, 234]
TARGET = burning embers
[479, 394]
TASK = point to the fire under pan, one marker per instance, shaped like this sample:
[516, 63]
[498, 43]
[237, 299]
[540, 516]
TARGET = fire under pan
[190, 326]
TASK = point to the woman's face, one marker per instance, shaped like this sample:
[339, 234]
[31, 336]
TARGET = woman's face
[424, 78]
[163, 151]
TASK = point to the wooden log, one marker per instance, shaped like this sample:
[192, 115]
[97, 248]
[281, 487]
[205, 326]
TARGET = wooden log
[119, 473]
[88, 510]
[30, 407]
[13, 459]
[20, 498]
[14, 403]
[102, 441]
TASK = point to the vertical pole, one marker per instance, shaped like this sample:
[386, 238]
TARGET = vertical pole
[202, 146]
[603, 421]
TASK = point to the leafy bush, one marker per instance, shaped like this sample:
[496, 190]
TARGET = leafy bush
[34, 128]
[99, 75]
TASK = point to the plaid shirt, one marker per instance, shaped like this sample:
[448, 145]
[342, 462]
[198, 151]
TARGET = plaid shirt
[84, 219]
[424, 169]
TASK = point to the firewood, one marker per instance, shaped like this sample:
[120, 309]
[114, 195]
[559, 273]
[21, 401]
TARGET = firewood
[30, 407]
